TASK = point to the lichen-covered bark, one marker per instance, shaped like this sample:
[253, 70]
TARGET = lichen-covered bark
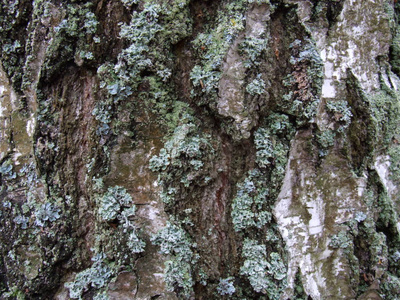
[231, 149]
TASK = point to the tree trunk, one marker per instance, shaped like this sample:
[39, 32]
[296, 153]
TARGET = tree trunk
[230, 149]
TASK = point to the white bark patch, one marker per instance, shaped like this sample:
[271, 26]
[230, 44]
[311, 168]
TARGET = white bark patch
[5, 111]
[359, 36]
[382, 165]
[30, 125]
[312, 205]
[315, 200]
[3, 108]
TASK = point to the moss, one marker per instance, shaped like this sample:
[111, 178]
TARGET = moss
[376, 238]
[394, 54]
[325, 140]
[390, 287]
[15, 293]
[299, 293]
[385, 107]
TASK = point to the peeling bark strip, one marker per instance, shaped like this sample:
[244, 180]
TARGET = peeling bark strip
[182, 149]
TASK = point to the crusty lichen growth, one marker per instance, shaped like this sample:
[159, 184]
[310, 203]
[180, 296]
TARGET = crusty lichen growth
[67, 209]
[175, 243]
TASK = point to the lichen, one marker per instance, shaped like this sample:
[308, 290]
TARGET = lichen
[97, 276]
[46, 212]
[73, 38]
[253, 48]
[341, 113]
[226, 287]
[116, 206]
[256, 87]
[111, 202]
[180, 162]
[305, 81]
[266, 275]
[150, 31]
[175, 243]
[211, 46]
[249, 206]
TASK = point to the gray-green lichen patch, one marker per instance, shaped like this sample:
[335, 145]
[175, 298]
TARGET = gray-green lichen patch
[256, 194]
[232, 91]
[266, 274]
[212, 46]
[180, 163]
[97, 277]
[73, 37]
[175, 243]
[79, 157]
[14, 18]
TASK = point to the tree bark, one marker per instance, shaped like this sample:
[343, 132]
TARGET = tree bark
[230, 149]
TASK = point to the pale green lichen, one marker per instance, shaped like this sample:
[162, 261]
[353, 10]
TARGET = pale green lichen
[266, 275]
[253, 48]
[102, 296]
[212, 45]
[22, 221]
[205, 79]
[181, 158]
[308, 74]
[226, 286]
[150, 31]
[111, 203]
[341, 240]
[6, 170]
[256, 87]
[341, 113]
[72, 38]
[249, 206]
[97, 276]
[271, 148]
[116, 204]
[129, 3]
[175, 243]
[47, 212]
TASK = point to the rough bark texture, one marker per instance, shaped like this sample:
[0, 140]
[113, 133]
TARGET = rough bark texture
[181, 149]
